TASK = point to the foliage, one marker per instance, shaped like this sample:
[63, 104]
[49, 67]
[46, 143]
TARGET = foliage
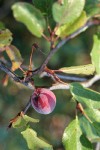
[67, 19]
[86, 69]
[73, 137]
[33, 141]
[5, 38]
[30, 16]
[61, 12]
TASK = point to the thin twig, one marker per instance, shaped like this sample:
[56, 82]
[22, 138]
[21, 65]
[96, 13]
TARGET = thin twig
[57, 86]
[4, 68]
[51, 53]
[27, 106]
[72, 78]
[91, 81]
[67, 86]
[65, 77]
[46, 37]
[62, 42]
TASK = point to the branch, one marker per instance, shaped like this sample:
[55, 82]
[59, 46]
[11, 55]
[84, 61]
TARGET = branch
[67, 86]
[91, 81]
[4, 68]
[62, 42]
[27, 106]
[28, 81]
[67, 77]
[11, 74]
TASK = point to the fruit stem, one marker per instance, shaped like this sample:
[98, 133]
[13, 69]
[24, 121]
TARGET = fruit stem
[27, 106]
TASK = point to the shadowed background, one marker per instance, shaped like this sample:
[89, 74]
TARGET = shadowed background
[14, 97]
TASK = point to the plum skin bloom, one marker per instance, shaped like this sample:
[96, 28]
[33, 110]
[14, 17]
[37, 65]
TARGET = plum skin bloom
[43, 100]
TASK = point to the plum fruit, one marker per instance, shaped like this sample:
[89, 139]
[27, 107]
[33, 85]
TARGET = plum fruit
[43, 100]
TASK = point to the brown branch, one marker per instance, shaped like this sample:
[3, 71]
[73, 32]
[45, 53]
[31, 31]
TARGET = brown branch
[4, 68]
[27, 81]
[11, 74]
[62, 42]
[27, 106]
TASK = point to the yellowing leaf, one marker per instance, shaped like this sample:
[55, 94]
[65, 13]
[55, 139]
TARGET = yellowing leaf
[5, 38]
[67, 29]
[84, 70]
[15, 57]
[23, 120]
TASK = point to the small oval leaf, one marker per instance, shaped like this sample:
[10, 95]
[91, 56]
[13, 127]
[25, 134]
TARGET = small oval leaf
[15, 56]
[33, 141]
[67, 12]
[5, 38]
[30, 16]
[84, 70]
[67, 29]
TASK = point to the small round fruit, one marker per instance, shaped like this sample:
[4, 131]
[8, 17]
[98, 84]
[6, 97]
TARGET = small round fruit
[43, 101]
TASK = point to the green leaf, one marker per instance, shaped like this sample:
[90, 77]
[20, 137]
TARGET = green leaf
[86, 144]
[33, 141]
[93, 114]
[73, 138]
[85, 96]
[68, 12]
[91, 130]
[15, 57]
[67, 29]
[23, 121]
[84, 70]
[95, 54]
[30, 16]
[5, 38]
[92, 7]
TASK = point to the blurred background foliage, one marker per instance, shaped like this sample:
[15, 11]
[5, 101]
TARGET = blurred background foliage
[14, 97]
